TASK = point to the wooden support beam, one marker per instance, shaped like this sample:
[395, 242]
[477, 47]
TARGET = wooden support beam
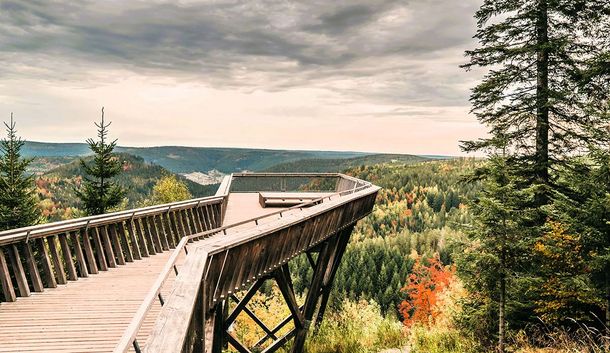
[57, 263]
[5, 279]
[99, 250]
[134, 242]
[86, 237]
[144, 248]
[154, 234]
[80, 258]
[244, 301]
[67, 256]
[276, 329]
[219, 331]
[18, 272]
[334, 267]
[255, 318]
[277, 344]
[313, 294]
[47, 270]
[30, 261]
[161, 232]
[237, 345]
[116, 244]
[284, 282]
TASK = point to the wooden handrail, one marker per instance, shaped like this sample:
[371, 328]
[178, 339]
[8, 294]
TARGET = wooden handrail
[138, 319]
[41, 230]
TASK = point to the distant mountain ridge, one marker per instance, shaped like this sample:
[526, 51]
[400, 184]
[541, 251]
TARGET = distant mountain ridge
[339, 165]
[183, 160]
[191, 159]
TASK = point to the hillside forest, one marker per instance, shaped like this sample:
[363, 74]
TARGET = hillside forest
[509, 252]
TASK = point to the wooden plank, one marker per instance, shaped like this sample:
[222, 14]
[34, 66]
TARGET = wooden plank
[170, 329]
[154, 235]
[116, 244]
[99, 250]
[47, 270]
[121, 233]
[67, 255]
[136, 247]
[161, 232]
[78, 252]
[86, 236]
[171, 239]
[137, 227]
[5, 279]
[57, 264]
[107, 246]
[18, 272]
[174, 224]
[30, 262]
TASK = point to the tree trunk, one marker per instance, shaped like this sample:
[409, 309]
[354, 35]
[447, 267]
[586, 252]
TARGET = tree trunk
[542, 99]
[501, 311]
[607, 299]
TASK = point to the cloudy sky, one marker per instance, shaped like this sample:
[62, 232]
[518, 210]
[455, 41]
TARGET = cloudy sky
[368, 75]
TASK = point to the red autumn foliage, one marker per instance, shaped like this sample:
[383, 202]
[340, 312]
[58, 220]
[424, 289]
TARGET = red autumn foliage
[424, 285]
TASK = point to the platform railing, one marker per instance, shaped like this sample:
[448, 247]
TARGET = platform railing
[43, 256]
[227, 261]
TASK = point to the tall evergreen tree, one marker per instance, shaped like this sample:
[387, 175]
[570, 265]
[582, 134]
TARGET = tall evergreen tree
[585, 207]
[548, 80]
[492, 262]
[98, 192]
[18, 200]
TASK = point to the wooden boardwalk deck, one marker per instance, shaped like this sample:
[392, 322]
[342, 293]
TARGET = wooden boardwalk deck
[88, 315]
[92, 284]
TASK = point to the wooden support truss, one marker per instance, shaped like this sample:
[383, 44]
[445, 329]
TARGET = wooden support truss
[325, 267]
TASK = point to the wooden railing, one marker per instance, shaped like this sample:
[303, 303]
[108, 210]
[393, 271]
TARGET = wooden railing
[226, 262]
[49, 254]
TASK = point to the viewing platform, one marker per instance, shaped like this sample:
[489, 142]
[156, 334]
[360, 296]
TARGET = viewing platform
[160, 279]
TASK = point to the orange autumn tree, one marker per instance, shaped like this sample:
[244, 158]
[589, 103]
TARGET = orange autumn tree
[425, 283]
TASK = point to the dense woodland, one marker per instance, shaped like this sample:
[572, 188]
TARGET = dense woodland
[508, 253]
[419, 211]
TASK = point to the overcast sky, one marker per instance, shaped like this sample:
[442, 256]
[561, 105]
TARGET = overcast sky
[333, 75]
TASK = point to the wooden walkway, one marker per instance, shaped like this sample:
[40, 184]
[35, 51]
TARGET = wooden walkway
[88, 315]
[112, 282]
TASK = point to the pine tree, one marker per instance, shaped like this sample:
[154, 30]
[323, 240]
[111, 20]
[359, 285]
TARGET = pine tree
[98, 192]
[585, 207]
[498, 247]
[548, 81]
[18, 200]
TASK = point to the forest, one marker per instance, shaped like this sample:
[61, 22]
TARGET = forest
[505, 252]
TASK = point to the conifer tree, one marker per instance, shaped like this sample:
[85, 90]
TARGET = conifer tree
[492, 263]
[18, 200]
[585, 206]
[98, 192]
[548, 81]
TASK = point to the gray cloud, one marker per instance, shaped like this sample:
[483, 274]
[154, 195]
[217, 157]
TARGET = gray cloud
[393, 52]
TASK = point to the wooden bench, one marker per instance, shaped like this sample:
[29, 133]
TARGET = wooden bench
[288, 199]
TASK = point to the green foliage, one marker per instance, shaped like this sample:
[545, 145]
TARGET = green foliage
[381, 253]
[56, 187]
[492, 261]
[168, 189]
[323, 165]
[18, 201]
[442, 340]
[358, 327]
[544, 91]
[98, 192]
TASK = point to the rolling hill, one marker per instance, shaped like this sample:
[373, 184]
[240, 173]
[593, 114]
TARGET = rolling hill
[340, 164]
[56, 187]
[184, 159]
